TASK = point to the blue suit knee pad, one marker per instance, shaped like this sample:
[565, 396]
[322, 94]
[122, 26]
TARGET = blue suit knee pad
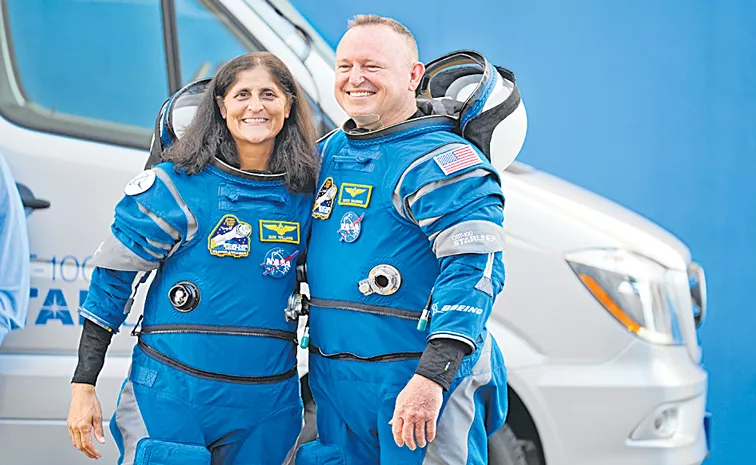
[155, 452]
[316, 453]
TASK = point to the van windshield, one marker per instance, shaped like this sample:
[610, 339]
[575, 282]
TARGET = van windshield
[291, 26]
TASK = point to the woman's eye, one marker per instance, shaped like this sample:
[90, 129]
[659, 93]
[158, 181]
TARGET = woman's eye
[269, 95]
[242, 95]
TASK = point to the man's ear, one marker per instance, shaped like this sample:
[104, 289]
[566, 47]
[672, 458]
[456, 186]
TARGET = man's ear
[221, 106]
[416, 74]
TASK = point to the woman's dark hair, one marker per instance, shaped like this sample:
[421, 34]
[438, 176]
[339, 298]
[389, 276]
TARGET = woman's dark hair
[207, 135]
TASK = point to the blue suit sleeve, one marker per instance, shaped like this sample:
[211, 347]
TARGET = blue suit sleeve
[151, 223]
[14, 256]
[110, 297]
[462, 214]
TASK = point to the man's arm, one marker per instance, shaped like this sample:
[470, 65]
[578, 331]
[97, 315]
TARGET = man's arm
[460, 208]
[14, 256]
[462, 214]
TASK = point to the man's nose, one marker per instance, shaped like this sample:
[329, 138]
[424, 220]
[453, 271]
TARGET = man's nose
[355, 76]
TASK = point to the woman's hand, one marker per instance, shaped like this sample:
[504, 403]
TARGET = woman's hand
[85, 415]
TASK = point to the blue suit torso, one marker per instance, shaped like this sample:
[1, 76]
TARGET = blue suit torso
[215, 352]
[374, 177]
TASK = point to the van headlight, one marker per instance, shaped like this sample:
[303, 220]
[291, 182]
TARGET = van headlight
[697, 280]
[644, 296]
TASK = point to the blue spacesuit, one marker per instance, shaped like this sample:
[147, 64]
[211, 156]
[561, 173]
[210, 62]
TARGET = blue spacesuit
[406, 247]
[213, 376]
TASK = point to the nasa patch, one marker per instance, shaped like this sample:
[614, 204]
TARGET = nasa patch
[278, 262]
[229, 238]
[350, 227]
[324, 199]
[140, 183]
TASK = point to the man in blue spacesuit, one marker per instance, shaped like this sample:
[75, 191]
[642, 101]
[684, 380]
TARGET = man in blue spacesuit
[403, 266]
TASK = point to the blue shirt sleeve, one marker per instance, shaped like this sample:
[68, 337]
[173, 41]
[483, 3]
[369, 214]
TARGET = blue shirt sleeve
[461, 211]
[14, 255]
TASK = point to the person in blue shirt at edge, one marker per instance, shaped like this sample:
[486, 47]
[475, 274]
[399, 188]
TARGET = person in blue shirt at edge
[14, 255]
[408, 225]
[213, 377]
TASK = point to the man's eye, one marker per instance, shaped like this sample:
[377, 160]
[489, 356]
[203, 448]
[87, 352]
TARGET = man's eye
[344, 67]
[373, 67]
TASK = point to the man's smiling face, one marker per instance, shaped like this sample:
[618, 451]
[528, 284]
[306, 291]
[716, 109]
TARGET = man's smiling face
[374, 74]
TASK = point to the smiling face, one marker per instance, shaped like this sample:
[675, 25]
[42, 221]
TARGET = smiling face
[376, 74]
[255, 109]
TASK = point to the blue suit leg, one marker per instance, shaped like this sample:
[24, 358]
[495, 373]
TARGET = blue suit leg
[144, 414]
[341, 411]
[263, 443]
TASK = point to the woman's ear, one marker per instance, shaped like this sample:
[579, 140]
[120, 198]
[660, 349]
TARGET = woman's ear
[221, 106]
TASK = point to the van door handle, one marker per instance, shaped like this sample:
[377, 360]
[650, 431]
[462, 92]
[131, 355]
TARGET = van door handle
[28, 199]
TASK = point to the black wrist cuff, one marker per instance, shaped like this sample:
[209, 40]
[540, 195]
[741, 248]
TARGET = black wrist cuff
[441, 360]
[92, 348]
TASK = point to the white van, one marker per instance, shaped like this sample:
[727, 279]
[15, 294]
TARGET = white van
[597, 320]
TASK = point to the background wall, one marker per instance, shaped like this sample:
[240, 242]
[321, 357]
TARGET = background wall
[649, 103]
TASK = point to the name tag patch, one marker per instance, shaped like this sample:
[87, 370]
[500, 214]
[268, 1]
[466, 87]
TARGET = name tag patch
[279, 231]
[230, 238]
[355, 195]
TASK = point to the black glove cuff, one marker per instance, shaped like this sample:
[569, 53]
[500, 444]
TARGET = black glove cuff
[441, 360]
[92, 348]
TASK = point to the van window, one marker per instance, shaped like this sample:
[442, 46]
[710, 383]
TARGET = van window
[86, 68]
[207, 40]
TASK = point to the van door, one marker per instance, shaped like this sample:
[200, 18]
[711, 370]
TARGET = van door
[80, 86]
[80, 83]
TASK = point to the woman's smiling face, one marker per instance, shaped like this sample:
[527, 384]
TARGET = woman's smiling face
[255, 108]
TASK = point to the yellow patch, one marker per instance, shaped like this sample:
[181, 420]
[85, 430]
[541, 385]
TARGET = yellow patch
[279, 231]
[355, 195]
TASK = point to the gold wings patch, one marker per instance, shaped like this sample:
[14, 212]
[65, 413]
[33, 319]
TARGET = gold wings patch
[354, 191]
[280, 228]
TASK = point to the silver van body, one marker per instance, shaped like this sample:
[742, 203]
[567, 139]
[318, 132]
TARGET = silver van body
[586, 387]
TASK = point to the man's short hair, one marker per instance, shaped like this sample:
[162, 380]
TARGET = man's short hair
[394, 25]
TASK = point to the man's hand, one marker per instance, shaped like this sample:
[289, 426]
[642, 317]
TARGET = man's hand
[85, 415]
[416, 412]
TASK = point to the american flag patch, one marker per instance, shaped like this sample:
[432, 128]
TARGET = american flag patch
[457, 159]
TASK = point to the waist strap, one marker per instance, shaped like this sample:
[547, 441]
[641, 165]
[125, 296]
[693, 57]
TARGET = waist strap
[394, 357]
[215, 329]
[365, 308]
[161, 357]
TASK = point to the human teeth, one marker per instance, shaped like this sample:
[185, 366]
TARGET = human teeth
[360, 94]
[254, 120]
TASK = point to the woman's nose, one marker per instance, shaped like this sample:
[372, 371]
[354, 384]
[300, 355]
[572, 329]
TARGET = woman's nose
[255, 104]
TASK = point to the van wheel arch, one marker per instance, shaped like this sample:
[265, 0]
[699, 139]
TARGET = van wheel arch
[518, 441]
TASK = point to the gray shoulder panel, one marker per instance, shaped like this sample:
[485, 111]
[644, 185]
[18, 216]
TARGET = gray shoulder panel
[475, 236]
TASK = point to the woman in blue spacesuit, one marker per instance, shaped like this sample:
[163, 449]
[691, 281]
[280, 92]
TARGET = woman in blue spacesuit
[221, 223]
